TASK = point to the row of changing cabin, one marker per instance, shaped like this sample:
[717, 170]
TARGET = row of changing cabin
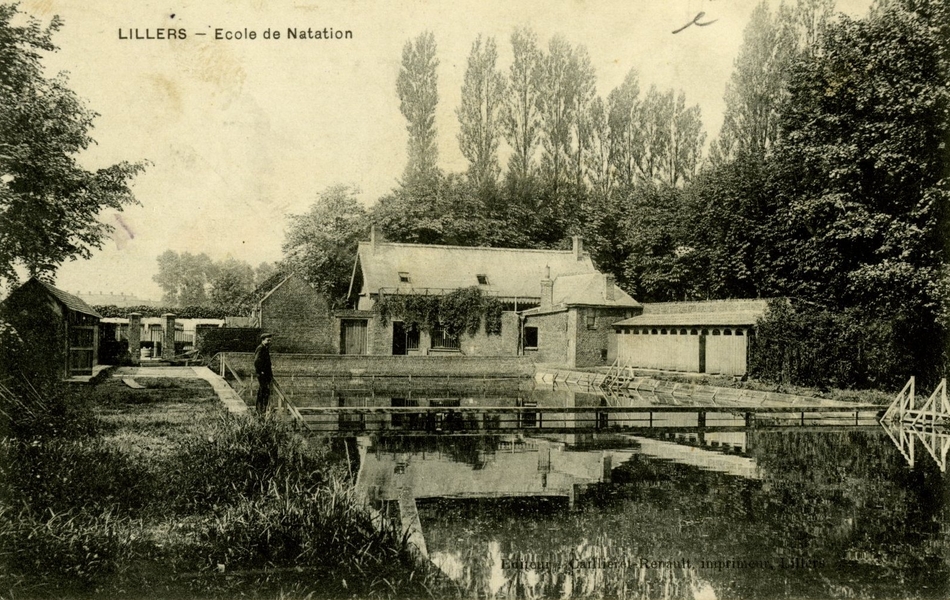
[720, 350]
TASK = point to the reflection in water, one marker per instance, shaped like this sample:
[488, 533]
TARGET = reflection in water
[762, 514]
[934, 439]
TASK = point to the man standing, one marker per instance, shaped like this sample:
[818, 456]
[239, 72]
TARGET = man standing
[265, 375]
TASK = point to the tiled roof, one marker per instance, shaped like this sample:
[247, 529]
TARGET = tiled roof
[756, 305]
[700, 319]
[706, 313]
[507, 272]
[71, 302]
[588, 290]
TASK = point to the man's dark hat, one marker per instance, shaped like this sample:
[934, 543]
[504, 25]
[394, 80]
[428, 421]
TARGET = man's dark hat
[264, 336]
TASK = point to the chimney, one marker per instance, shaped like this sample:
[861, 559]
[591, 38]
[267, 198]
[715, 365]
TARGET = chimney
[547, 290]
[372, 238]
[609, 287]
[578, 247]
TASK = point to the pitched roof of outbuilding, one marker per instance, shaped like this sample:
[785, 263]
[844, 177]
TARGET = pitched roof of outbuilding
[706, 313]
[589, 289]
[508, 272]
[71, 302]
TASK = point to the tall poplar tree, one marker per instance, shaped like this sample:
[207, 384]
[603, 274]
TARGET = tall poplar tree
[686, 142]
[558, 87]
[521, 120]
[417, 86]
[655, 123]
[583, 79]
[480, 113]
[626, 137]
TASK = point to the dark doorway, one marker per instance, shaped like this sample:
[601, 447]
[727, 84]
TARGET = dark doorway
[702, 351]
[399, 338]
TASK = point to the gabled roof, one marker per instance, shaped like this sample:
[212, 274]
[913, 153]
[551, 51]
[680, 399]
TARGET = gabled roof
[275, 288]
[71, 302]
[588, 290]
[508, 272]
[708, 313]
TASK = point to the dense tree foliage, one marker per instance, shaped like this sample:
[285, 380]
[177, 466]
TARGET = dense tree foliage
[321, 244]
[195, 280]
[49, 204]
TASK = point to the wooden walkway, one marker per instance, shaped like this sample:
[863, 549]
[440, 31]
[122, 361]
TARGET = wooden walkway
[231, 400]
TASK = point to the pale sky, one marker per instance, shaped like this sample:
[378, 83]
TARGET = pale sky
[242, 133]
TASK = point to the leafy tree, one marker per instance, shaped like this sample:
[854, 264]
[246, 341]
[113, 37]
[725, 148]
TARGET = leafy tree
[626, 136]
[483, 93]
[49, 205]
[860, 203]
[232, 282]
[184, 278]
[521, 122]
[264, 271]
[321, 244]
[727, 215]
[417, 86]
[558, 86]
[659, 265]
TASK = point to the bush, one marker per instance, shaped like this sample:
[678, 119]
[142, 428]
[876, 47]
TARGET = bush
[50, 410]
[813, 346]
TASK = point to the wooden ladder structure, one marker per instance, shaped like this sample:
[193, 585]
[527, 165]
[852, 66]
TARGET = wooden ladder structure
[935, 412]
[617, 378]
[906, 424]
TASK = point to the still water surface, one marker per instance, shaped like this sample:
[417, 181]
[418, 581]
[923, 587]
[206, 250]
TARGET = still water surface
[751, 513]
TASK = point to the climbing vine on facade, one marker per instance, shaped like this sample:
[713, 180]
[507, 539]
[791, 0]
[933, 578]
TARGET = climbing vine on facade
[457, 312]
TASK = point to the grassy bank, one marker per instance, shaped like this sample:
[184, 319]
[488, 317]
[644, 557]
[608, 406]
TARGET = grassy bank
[109, 491]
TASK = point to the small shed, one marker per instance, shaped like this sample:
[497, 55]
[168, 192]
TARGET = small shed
[60, 330]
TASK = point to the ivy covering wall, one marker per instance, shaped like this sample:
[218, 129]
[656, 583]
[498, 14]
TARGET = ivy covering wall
[457, 312]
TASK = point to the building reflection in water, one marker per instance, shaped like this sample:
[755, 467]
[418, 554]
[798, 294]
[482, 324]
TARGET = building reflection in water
[537, 474]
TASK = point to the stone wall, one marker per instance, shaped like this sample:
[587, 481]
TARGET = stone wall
[553, 337]
[302, 365]
[594, 345]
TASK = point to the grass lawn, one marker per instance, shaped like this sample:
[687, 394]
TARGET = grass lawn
[110, 491]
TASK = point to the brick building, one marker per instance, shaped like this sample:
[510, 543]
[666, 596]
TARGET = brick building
[515, 277]
[557, 309]
[299, 317]
[572, 326]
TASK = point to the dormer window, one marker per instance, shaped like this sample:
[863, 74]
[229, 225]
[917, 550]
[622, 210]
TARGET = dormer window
[403, 277]
[482, 279]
